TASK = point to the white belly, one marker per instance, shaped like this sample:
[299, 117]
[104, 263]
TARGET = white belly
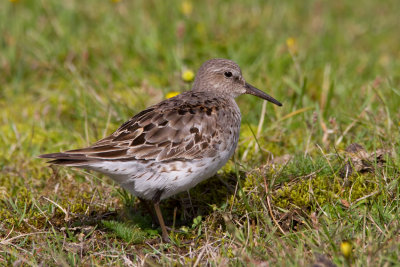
[144, 179]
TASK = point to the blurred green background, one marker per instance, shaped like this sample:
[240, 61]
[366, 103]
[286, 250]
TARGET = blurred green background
[64, 62]
[72, 71]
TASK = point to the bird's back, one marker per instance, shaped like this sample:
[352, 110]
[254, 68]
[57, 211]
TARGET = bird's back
[184, 139]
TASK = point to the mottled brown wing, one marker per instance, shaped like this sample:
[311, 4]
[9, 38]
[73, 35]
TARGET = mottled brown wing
[174, 129]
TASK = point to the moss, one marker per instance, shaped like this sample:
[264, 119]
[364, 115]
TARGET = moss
[129, 233]
[249, 195]
[15, 212]
[361, 186]
[323, 190]
[306, 192]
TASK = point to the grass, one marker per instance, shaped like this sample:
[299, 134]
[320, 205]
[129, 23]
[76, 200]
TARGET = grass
[72, 72]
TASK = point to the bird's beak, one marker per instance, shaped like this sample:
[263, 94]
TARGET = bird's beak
[251, 90]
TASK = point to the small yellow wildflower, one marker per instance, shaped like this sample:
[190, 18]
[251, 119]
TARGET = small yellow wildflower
[345, 248]
[171, 94]
[188, 76]
[13, 1]
[116, 1]
[292, 45]
[186, 8]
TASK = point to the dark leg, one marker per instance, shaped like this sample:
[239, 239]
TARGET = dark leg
[165, 237]
[146, 204]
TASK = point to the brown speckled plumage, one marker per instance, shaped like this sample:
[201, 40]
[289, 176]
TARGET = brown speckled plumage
[175, 144]
[189, 126]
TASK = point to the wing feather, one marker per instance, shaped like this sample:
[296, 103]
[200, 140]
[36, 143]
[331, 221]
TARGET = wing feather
[178, 128]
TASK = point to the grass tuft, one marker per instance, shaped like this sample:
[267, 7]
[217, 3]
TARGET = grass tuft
[129, 233]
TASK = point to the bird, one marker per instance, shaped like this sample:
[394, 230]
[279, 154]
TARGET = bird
[172, 146]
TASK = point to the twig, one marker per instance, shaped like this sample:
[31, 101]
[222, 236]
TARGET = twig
[364, 197]
[9, 233]
[200, 256]
[66, 218]
[5, 242]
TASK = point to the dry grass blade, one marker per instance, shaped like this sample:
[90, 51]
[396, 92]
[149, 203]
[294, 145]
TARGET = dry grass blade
[270, 209]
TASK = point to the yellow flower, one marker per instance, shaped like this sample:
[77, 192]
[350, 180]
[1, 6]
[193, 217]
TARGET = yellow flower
[116, 1]
[13, 1]
[186, 8]
[171, 94]
[345, 248]
[292, 45]
[188, 76]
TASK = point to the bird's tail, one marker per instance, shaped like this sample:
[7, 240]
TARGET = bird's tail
[67, 159]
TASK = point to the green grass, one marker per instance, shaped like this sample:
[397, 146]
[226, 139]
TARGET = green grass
[72, 72]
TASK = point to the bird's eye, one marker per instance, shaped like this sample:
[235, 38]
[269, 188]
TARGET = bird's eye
[228, 74]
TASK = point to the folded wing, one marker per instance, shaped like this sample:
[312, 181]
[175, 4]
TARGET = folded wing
[171, 130]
